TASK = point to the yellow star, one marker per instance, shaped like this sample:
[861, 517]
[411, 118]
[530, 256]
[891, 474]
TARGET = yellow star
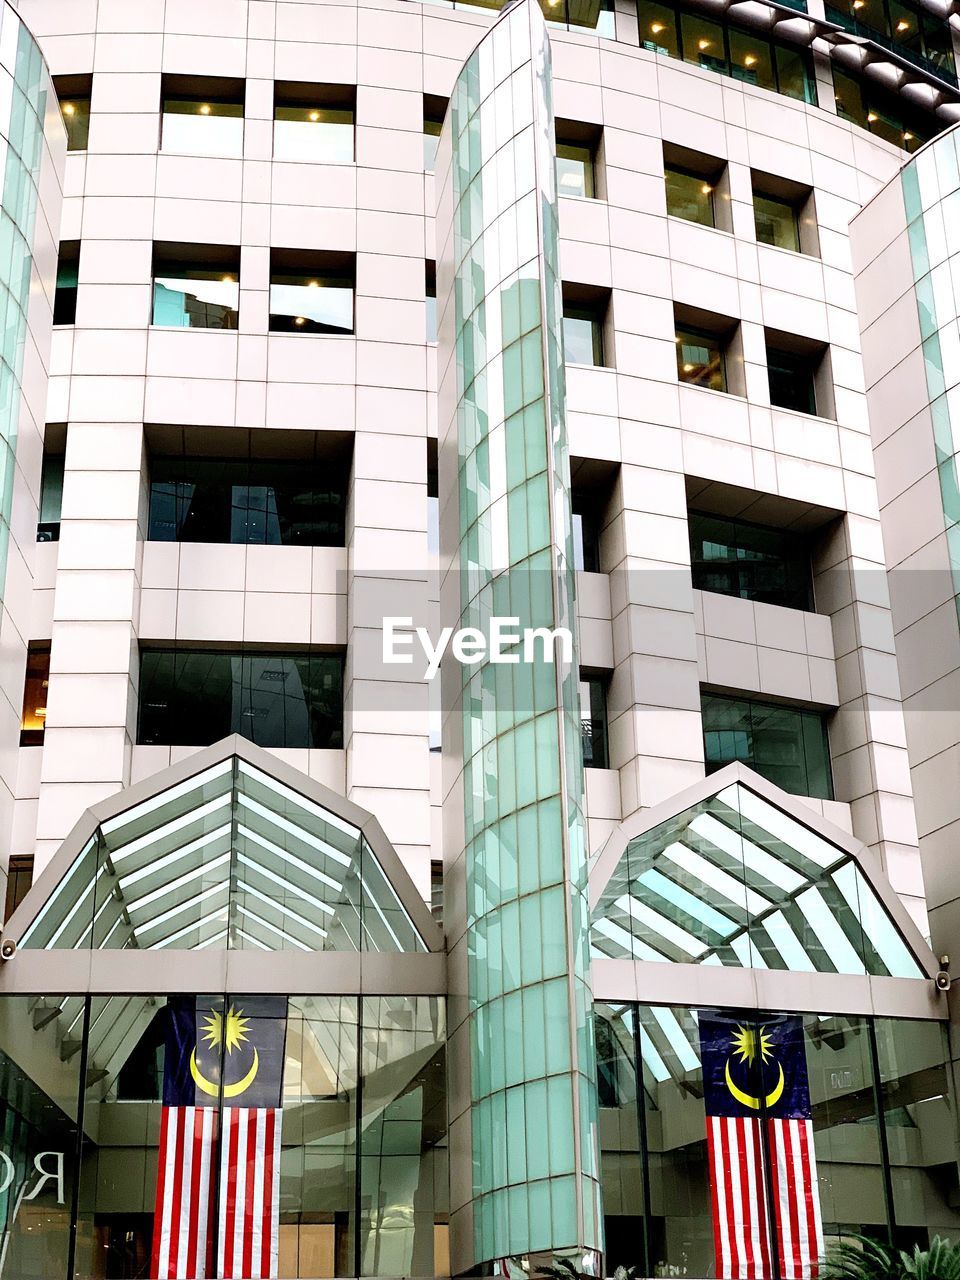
[236, 1029]
[747, 1043]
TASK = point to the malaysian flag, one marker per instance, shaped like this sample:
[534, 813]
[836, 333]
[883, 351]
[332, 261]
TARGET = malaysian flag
[219, 1169]
[755, 1075]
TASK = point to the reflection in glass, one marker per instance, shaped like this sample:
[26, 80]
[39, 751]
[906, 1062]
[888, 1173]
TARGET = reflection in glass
[575, 173]
[700, 360]
[301, 302]
[75, 113]
[792, 379]
[736, 558]
[237, 500]
[593, 724]
[321, 134]
[195, 698]
[787, 745]
[36, 682]
[689, 196]
[51, 498]
[776, 222]
[751, 60]
[189, 297]
[703, 43]
[431, 140]
[582, 336]
[201, 127]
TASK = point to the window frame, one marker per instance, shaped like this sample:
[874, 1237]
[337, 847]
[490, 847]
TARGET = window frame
[811, 727]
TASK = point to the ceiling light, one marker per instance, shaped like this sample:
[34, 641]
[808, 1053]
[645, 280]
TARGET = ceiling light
[688, 368]
[858, 4]
[314, 115]
[871, 117]
[226, 280]
[903, 25]
[69, 109]
[313, 284]
[204, 108]
[704, 44]
[299, 320]
[908, 137]
[749, 60]
[706, 189]
[656, 27]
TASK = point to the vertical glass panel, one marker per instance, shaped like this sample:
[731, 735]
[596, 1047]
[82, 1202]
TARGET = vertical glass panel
[574, 170]
[301, 302]
[51, 497]
[700, 359]
[703, 43]
[776, 222]
[582, 337]
[792, 381]
[788, 745]
[403, 1154]
[39, 1098]
[431, 140]
[76, 118]
[320, 134]
[751, 60]
[795, 74]
[198, 127]
[920, 1121]
[593, 724]
[690, 196]
[849, 99]
[36, 682]
[658, 28]
[620, 1158]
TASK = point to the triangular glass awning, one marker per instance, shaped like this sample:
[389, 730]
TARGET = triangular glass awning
[232, 850]
[745, 876]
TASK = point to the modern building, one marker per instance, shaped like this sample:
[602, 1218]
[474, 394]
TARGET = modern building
[633, 317]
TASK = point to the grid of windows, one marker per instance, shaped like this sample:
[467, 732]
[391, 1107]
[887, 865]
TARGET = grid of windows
[751, 561]
[787, 745]
[921, 37]
[722, 47]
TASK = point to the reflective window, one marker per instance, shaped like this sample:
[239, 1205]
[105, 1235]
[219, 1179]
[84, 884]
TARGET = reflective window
[194, 698]
[885, 115]
[593, 724]
[689, 195]
[722, 47]
[700, 359]
[776, 222]
[75, 113]
[36, 682]
[240, 500]
[734, 558]
[582, 336]
[586, 537]
[197, 125]
[199, 291]
[787, 745]
[19, 880]
[434, 109]
[313, 123]
[792, 378]
[311, 293]
[430, 301]
[65, 297]
[51, 498]
[575, 169]
[921, 37]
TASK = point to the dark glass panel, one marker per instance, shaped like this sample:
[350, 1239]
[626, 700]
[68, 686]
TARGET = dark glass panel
[751, 60]
[593, 724]
[791, 379]
[735, 558]
[795, 74]
[700, 359]
[35, 685]
[689, 195]
[776, 222]
[703, 43]
[787, 745]
[75, 113]
[658, 28]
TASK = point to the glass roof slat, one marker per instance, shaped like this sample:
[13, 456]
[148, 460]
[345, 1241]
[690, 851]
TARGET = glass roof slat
[786, 944]
[735, 891]
[681, 1046]
[265, 924]
[166, 799]
[291, 828]
[626, 941]
[659, 924]
[127, 879]
[876, 924]
[684, 901]
[149, 925]
[261, 946]
[245, 887]
[284, 855]
[748, 955]
[195, 926]
[302, 802]
[179, 882]
[286, 885]
[776, 822]
[760, 861]
[825, 926]
[61, 888]
[150, 839]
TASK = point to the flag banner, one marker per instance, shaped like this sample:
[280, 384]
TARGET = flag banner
[755, 1074]
[220, 1139]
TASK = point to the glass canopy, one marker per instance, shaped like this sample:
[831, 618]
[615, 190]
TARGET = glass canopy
[231, 858]
[735, 881]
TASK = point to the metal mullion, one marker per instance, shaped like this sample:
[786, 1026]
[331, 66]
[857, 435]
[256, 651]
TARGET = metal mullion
[885, 1172]
[642, 1135]
[78, 1149]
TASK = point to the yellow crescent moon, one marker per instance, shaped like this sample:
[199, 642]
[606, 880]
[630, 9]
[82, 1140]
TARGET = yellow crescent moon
[229, 1090]
[746, 1099]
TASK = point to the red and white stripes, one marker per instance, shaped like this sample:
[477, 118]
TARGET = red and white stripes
[249, 1193]
[739, 1196]
[185, 1178]
[796, 1194]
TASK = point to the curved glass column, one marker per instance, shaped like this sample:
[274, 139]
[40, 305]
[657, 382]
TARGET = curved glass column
[523, 920]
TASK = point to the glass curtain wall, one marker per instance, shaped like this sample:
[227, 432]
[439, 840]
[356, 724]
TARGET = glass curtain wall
[95, 1112]
[883, 1126]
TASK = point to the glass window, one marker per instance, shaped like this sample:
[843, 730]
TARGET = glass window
[188, 295]
[792, 380]
[582, 336]
[200, 126]
[689, 195]
[575, 172]
[700, 359]
[431, 140]
[703, 43]
[65, 296]
[302, 301]
[51, 498]
[593, 724]
[776, 222]
[35, 685]
[751, 60]
[787, 745]
[312, 131]
[658, 28]
[19, 880]
[621, 1161]
[239, 500]
[75, 113]
[795, 77]
[734, 558]
[194, 698]
[597, 17]
[586, 538]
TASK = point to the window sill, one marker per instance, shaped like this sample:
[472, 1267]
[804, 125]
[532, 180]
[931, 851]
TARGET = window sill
[691, 222]
[794, 253]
